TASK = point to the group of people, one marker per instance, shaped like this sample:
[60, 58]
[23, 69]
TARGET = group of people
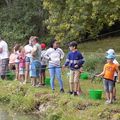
[30, 62]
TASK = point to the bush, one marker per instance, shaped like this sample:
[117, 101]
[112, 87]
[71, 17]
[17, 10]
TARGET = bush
[94, 63]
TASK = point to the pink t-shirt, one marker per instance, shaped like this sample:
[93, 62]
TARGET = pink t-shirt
[21, 60]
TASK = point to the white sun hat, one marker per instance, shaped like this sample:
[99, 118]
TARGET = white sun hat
[110, 51]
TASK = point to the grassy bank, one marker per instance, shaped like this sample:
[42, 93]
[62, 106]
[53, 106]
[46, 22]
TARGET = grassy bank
[56, 106]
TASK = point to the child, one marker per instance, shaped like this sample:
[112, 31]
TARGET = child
[21, 64]
[16, 52]
[108, 74]
[75, 61]
[44, 62]
[54, 55]
[111, 51]
[12, 59]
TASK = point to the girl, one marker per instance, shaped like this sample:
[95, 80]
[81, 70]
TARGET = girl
[54, 54]
[16, 52]
[21, 64]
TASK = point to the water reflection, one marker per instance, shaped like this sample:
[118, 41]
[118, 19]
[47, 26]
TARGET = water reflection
[5, 115]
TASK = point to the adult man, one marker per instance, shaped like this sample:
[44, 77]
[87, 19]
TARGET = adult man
[35, 64]
[3, 58]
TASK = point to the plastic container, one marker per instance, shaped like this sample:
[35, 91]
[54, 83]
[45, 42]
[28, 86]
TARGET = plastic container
[10, 75]
[84, 76]
[47, 81]
[95, 94]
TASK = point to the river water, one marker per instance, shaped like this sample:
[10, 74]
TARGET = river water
[10, 115]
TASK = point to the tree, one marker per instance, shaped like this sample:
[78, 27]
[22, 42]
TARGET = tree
[19, 19]
[73, 19]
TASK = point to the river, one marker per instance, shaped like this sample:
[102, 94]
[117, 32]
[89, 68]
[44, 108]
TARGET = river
[10, 115]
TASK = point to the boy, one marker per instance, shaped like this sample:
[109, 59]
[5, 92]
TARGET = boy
[44, 62]
[75, 61]
[111, 51]
[108, 74]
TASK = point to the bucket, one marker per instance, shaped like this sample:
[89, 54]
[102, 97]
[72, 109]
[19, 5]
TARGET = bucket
[10, 75]
[95, 94]
[47, 81]
[84, 76]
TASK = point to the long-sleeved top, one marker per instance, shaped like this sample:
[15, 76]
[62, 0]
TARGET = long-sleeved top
[54, 56]
[74, 59]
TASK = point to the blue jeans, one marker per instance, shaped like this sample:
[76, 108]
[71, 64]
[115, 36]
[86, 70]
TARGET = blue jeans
[55, 71]
[35, 68]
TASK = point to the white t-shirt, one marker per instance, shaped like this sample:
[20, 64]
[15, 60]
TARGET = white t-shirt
[4, 47]
[28, 49]
[115, 62]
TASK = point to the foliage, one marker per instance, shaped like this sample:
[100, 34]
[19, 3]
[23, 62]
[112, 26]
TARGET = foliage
[74, 19]
[20, 19]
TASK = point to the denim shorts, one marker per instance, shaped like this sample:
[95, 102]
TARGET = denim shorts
[21, 71]
[28, 59]
[35, 68]
[108, 85]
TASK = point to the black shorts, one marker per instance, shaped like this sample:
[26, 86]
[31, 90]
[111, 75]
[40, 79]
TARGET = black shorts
[43, 68]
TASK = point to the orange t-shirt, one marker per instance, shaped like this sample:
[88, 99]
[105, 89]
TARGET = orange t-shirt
[110, 69]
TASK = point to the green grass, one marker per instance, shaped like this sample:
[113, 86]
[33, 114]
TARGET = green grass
[101, 45]
[56, 106]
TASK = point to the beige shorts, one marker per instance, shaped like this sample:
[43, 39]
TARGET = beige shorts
[74, 76]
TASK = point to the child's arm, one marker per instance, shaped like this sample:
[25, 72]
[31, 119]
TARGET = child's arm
[67, 61]
[101, 74]
[62, 54]
[81, 60]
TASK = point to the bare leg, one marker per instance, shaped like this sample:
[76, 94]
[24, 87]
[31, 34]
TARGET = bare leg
[114, 93]
[107, 95]
[44, 77]
[75, 86]
[26, 73]
[17, 72]
[33, 81]
[111, 96]
[71, 87]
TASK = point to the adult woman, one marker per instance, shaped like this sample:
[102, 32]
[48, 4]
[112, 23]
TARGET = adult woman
[54, 54]
[28, 49]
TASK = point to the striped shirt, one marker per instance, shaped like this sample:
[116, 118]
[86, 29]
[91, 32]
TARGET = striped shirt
[74, 59]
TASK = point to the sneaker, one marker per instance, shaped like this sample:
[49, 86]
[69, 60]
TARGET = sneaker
[108, 102]
[114, 99]
[70, 92]
[75, 94]
[24, 83]
[62, 91]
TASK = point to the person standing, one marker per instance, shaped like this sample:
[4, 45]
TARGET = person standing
[74, 61]
[54, 54]
[4, 60]
[28, 49]
[35, 64]
[21, 64]
[108, 77]
[44, 63]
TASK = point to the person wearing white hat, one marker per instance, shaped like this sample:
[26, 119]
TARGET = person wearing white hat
[112, 51]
